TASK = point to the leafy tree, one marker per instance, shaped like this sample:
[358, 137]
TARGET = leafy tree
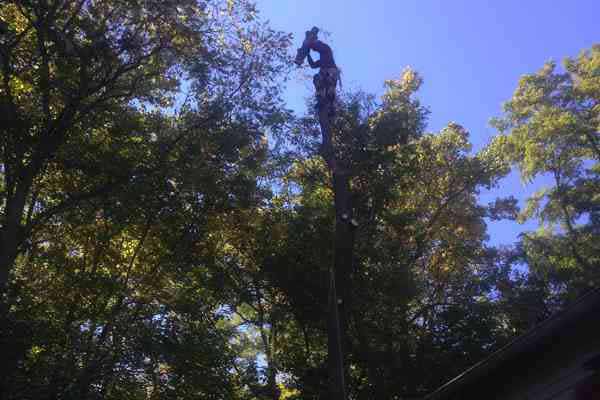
[113, 184]
[153, 244]
[550, 128]
[417, 306]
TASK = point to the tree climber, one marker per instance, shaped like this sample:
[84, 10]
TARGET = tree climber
[326, 80]
[325, 86]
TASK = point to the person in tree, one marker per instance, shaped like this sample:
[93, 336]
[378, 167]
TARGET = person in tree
[326, 80]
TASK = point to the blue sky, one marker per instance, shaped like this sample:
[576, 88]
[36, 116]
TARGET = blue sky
[470, 54]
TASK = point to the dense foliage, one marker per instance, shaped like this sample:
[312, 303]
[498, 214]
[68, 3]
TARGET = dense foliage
[167, 226]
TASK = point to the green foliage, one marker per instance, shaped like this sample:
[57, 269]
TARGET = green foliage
[153, 244]
[130, 131]
[422, 276]
[550, 128]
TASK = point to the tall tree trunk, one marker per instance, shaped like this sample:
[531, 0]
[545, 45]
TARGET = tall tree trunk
[339, 289]
[13, 342]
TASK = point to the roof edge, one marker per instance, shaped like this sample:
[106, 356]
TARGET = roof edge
[585, 304]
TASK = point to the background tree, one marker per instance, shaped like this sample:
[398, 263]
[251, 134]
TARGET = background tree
[109, 194]
[551, 129]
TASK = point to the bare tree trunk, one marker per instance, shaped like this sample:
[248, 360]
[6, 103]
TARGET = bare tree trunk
[339, 289]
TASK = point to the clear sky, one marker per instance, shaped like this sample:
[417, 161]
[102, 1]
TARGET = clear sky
[470, 53]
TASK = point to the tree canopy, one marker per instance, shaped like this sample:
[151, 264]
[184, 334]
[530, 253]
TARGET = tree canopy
[167, 225]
